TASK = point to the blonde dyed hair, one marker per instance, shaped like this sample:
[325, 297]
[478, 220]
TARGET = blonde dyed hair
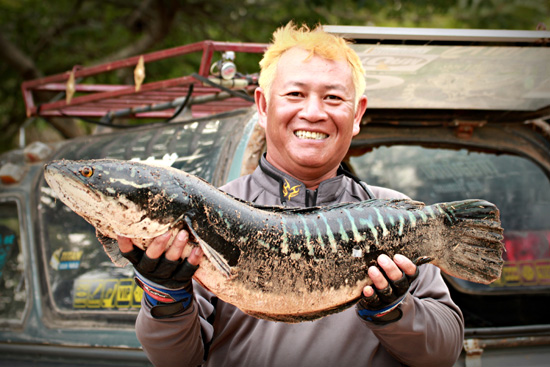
[315, 41]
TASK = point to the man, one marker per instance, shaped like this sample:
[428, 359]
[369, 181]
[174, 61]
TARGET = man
[310, 103]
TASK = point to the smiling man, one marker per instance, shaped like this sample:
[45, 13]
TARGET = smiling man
[310, 103]
[310, 113]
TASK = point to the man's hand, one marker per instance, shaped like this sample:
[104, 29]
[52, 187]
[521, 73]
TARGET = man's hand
[164, 276]
[157, 247]
[380, 304]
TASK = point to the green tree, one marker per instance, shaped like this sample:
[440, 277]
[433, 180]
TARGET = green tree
[40, 38]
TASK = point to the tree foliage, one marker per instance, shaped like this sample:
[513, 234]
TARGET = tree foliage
[40, 38]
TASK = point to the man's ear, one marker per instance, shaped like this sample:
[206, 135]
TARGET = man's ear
[359, 111]
[261, 106]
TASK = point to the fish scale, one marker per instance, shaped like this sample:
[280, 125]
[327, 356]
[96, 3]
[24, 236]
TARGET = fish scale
[284, 264]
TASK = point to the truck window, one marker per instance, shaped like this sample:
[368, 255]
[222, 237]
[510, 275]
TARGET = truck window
[79, 274]
[519, 188]
[12, 266]
[80, 277]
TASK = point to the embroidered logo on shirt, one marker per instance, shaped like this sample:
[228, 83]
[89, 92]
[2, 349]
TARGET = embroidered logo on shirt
[290, 192]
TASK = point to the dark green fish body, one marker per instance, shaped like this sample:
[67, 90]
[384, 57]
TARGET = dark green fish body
[272, 262]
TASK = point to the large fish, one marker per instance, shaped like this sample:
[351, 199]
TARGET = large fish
[276, 263]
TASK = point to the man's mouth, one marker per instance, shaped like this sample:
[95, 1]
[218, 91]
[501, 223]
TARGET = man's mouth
[302, 134]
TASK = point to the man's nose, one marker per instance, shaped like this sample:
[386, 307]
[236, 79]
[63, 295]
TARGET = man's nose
[313, 109]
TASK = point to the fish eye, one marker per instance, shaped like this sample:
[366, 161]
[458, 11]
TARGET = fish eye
[87, 171]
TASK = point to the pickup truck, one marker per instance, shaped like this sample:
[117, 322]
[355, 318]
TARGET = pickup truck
[452, 114]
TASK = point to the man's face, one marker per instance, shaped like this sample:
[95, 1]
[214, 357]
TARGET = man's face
[310, 116]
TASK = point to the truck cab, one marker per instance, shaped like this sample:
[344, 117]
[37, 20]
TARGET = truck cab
[452, 114]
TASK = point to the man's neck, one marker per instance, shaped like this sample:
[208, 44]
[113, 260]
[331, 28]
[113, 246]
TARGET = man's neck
[315, 181]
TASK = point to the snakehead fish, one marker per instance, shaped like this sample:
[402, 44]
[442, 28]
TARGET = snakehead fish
[278, 263]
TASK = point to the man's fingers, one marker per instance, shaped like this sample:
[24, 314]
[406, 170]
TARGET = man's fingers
[405, 264]
[125, 244]
[390, 283]
[390, 268]
[176, 249]
[156, 248]
[368, 291]
[195, 257]
[393, 269]
[378, 279]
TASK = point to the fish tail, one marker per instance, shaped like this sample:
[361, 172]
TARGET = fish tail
[472, 240]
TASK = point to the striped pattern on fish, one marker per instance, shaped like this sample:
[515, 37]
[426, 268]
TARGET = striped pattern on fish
[272, 262]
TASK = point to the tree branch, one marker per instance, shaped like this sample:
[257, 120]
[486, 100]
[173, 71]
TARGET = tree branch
[17, 60]
[157, 18]
[25, 67]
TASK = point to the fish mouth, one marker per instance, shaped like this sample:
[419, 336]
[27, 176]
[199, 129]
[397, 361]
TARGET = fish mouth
[51, 169]
[310, 135]
[73, 192]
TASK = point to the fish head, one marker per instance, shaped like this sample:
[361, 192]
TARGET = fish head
[117, 197]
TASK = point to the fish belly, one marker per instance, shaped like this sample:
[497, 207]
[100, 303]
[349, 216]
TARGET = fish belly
[278, 302]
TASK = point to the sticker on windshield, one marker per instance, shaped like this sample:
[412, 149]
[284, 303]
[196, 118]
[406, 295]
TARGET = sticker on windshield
[65, 260]
[106, 294]
[7, 241]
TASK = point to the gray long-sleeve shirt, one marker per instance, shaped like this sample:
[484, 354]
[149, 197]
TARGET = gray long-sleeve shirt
[430, 333]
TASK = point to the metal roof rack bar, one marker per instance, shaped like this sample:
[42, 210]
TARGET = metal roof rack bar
[437, 34]
[100, 99]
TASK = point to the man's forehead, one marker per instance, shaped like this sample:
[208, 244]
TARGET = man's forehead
[332, 85]
[295, 56]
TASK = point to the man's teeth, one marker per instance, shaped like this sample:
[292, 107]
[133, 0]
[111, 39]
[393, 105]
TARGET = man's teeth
[310, 135]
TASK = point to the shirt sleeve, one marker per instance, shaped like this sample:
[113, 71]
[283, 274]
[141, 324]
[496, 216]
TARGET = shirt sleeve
[176, 341]
[431, 331]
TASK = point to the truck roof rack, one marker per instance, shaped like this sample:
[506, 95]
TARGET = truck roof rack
[155, 100]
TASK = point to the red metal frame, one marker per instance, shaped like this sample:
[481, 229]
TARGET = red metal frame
[97, 100]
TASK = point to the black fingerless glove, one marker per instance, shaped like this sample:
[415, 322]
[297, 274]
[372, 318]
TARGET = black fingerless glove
[167, 284]
[383, 306]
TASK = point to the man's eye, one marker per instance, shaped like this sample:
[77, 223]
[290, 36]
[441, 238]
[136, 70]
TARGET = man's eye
[334, 98]
[293, 94]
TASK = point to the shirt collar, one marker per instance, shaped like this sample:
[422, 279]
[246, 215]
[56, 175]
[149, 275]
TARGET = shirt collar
[293, 192]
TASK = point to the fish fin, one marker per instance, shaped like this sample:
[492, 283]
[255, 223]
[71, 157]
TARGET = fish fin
[219, 262]
[284, 209]
[474, 240]
[280, 209]
[110, 245]
[402, 204]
